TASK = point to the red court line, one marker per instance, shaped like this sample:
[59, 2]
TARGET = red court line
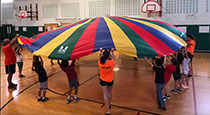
[194, 96]
[102, 105]
[138, 113]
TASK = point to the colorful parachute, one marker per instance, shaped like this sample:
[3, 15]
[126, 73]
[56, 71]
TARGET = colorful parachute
[135, 37]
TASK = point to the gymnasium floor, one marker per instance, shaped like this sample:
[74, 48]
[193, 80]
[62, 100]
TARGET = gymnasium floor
[133, 91]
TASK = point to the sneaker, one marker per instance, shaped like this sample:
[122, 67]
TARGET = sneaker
[168, 97]
[174, 91]
[12, 87]
[164, 98]
[187, 87]
[189, 76]
[68, 101]
[159, 103]
[39, 99]
[179, 90]
[183, 86]
[21, 76]
[15, 85]
[162, 108]
[45, 99]
[76, 100]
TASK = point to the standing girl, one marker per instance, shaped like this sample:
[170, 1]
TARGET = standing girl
[106, 65]
[19, 60]
[185, 70]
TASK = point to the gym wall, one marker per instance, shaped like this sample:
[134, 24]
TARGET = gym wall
[189, 13]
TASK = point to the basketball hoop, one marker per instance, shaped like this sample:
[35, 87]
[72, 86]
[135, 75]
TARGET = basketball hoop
[151, 6]
[23, 14]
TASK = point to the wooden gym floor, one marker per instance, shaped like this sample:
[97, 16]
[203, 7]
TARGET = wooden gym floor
[133, 91]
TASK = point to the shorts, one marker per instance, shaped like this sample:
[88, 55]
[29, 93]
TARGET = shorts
[186, 72]
[73, 83]
[10, 69]
[20, 65]
[43, 86]
[106, 84]
[176, 76]
[190, 56]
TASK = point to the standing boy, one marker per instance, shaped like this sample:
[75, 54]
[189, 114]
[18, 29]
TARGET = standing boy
[10, 60]
[72, 77]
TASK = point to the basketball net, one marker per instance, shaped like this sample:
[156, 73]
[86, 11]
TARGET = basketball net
[22, 14]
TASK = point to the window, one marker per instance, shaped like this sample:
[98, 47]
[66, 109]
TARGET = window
[99, 8]
[182, 6]
[50, 11]
[6, 1]
[127, 7]
[70, 10]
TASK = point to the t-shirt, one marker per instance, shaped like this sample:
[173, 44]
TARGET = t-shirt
[185, 65]
[191, 47]
[168, 72]
[9, 53]
[19, 58]
[159, 75]
[42, 75]
[106, 70]
[70, 71]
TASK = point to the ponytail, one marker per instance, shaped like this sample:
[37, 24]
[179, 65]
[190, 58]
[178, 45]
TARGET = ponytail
[105, 56]
[102, 60]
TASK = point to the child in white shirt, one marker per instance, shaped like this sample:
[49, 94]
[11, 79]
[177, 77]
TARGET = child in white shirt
[19, 60]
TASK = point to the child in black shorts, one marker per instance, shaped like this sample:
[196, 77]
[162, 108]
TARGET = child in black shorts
[42, 76]
[177, 74]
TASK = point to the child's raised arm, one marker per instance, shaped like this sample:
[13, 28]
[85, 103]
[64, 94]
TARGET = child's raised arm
[100, 53]
[164, 62]
[12, 42]
[112, 53]
[41, 60]
[148, 61]
[58, 61]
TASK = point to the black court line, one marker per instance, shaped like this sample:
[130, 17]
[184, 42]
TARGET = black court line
[56, 92]
[73, 89]
[24, 90]
[133, 109]
[89, 79]
[29, 87]
[135, 69]
[80, 98]
[118, 106]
